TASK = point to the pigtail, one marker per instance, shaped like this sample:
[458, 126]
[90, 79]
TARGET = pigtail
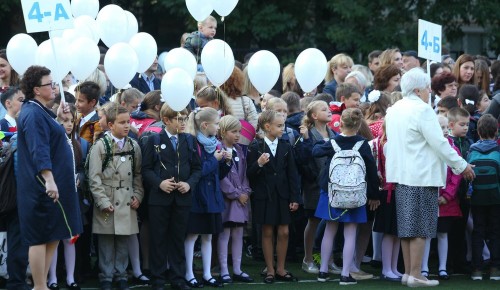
[191, 124]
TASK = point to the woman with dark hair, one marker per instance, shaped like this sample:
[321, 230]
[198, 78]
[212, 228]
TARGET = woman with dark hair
[464, 69]
[148, 113]
[387, 78]
[436, 69]
[45, 177]
[8, 77]
[444, 85]
[482, 76]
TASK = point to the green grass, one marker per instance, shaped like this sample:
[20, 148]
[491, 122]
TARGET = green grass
[308, 281]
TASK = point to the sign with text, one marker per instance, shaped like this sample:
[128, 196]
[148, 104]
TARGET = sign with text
[429, 40]
[46, 15]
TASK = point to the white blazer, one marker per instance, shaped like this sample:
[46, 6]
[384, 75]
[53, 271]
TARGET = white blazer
[416, 148]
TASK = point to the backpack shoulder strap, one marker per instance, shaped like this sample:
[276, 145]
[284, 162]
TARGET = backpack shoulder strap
[291, 137]
[335, 146]
[358, 145]
[107, 148]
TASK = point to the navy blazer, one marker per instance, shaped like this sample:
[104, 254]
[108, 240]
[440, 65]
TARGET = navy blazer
[139, 83]
[278, 177]
[161, 161]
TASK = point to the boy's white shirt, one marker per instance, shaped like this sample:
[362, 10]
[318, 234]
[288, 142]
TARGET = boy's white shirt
[12, 121]
[86, 118]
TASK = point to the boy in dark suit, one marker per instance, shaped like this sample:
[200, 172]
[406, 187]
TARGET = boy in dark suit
[171, 167]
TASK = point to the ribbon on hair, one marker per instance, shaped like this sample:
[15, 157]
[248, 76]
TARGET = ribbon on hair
[373, 96]
[469, 102]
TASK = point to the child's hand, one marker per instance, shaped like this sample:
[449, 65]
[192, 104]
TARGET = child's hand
[243, 199]
[373, 204]
[183, 187]
[294, 206]
[442, 200]
[168, 185]
[109, 209]
[218, 154]
[304, 132]
[228, 155]
[134, 204]
[263, 159]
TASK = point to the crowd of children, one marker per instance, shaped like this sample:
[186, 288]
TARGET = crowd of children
[176, 177]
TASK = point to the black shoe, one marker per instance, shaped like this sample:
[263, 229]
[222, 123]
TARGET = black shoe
[73, 286]
[212, 283]
[53, 286]
[376, 264]
[141, 280]
[226, 279]
[323, 276]
[193, 283]
[443, 275]
[347, 280]
[106, 285]
[243, 277]
[123, 285]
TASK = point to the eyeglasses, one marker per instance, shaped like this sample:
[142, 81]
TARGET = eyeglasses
[52, 85]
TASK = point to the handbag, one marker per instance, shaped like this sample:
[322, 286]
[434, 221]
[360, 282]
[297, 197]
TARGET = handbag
[247, 130]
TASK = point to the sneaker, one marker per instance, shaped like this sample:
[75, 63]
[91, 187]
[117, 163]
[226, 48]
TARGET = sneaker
[347, 280]
[476, 275]
[495, 274]
[334, 269]
[361, 275]
[323, 277]
[310, 267]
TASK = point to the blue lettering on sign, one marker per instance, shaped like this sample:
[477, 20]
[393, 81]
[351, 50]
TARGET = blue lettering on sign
[424, 40]
[436, 46]
[35, 12]
[47, 13]
[60, 12]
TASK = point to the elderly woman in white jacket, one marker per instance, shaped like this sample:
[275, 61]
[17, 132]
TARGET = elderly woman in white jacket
[417, 155]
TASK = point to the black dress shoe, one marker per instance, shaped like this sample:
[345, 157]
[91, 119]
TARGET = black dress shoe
[213, 283]
[53, 286]
[73, 286]
[443, 275]
[193, 283]
[243, 277]
[123, 285]
[106, 285]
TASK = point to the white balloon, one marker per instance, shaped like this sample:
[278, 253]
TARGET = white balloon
[218, 61]
[263, 70]
[180, 58]
[112, 22]
[199, 9]
[161, 60]
[310, 69]
[145, 47]
[86, 26]
[224, 7]
[85, 7]
[70, 35]
[55, 55]
[177, 88]
[21, 52]
[85, 56]
[132, 25]
[121, 64]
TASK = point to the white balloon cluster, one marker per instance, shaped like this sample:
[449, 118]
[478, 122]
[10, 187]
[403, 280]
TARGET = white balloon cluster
[200, 9]
[76, 49]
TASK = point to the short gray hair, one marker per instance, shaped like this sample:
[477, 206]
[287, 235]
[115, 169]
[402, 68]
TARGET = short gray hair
[414, 79]
[360, 78]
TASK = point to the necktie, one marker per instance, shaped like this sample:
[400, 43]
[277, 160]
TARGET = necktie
[120, 144]
[173, 139]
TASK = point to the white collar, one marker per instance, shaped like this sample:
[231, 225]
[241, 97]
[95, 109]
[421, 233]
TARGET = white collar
[269, 142]
[116, 139]
[12, 121]
[86, 118]
[170, 135]
[150, 78]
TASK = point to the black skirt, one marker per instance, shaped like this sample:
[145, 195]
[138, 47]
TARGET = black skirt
[271, 212]
[445, 223]
[385, 216]
[204, 223]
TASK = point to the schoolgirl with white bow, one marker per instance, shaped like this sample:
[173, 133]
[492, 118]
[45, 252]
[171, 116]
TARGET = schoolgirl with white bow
[274, 179]
[205, 218]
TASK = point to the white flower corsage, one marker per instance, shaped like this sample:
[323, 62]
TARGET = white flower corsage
[373, 96]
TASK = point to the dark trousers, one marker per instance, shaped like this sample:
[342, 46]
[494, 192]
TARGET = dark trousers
[168, 225]
[486, 219]
[17, 255]
[458, 248]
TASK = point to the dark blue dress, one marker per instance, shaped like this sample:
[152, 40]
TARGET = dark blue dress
[42, 144]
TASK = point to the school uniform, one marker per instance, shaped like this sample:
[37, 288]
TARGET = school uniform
[208, 203]
[276, 184]
[169, 212]
[356, 215]
[115, 185]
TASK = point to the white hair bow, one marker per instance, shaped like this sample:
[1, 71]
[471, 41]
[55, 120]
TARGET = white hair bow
[469, 102]
[373, 96]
